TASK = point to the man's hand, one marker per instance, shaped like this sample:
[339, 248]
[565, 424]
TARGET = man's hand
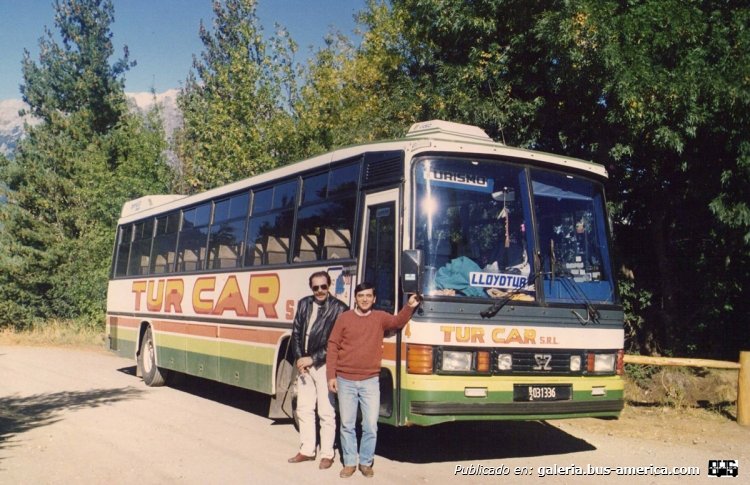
[303, 363]
[333, 386]
[414, 300]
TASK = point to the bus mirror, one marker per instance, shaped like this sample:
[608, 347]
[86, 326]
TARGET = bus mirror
[411, 271]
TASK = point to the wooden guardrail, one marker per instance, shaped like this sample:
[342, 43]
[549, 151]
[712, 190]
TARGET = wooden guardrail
[743, 381]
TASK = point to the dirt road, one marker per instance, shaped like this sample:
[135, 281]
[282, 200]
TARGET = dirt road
[82, 416]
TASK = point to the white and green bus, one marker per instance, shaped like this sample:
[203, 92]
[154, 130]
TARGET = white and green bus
[509, 247]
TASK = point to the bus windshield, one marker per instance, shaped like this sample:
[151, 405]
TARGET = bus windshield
[474, 225]
[572, 238]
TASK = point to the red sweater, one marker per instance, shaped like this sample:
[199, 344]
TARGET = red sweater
[355, 347]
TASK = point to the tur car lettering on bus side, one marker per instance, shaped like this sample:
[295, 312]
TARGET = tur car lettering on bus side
[464, 334]
[167, 296]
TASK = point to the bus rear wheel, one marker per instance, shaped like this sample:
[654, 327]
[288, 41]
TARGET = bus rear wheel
[152, 375]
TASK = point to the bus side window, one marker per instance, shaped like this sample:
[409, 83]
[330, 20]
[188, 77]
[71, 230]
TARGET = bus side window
[325, 220]
[140, 250]
[227, 232]
[191, 251]
[269, 233]
[124, 240]
[163, 251]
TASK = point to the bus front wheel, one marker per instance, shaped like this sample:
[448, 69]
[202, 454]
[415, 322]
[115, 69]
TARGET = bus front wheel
[152, 375]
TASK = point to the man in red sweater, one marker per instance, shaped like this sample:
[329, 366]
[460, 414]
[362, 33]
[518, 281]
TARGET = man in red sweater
[355, 349]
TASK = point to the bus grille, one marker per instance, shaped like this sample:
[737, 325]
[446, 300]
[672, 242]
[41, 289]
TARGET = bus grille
[537, 363]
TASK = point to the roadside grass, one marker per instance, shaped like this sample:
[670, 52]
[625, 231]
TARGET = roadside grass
[682, 388]
[55, 333]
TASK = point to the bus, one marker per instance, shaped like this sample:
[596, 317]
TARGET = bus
[510, 249]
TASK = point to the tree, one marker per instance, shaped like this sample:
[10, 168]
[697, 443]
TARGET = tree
[358, 94]
[72, 173]
[655, 90]
[76, 77]
[236, 102]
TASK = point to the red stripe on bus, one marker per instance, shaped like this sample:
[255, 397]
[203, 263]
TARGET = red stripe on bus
[389, 351]
[250, 335]
[240, 334]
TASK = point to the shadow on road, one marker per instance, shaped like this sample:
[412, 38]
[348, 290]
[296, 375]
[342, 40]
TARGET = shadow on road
[19, 414]
[441, 443]
[466, 441]
[239, 398]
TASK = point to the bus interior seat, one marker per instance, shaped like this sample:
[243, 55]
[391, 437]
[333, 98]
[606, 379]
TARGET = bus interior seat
[191, 259]
[277, 249]
[227, 257]
[308, 248]
[256, 256]
[160, 264]
[338, 243]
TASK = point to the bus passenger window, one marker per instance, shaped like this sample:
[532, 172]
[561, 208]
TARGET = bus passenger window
[191, 253]
[268, 238]
[325, 220]
[227, 232]
[140, 250]
[124, 240]
[163, 252]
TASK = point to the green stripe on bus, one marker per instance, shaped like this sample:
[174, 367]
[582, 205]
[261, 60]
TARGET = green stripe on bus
[257, 376]
[250, 353]
[443, 397]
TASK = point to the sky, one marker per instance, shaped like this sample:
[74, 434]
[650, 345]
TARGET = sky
[162, 35]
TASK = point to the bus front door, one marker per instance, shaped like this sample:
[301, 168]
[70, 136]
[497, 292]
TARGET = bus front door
[378, 266]
[378, 254]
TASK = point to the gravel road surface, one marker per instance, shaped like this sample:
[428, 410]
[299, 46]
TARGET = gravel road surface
[81, 416]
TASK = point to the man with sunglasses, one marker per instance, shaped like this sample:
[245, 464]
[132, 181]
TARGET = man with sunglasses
[312, 326]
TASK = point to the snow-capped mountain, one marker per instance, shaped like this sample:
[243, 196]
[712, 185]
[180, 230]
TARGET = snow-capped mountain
[12, 125]
[169, 111]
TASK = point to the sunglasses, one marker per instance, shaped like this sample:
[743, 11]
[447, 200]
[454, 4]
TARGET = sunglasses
[320, 287]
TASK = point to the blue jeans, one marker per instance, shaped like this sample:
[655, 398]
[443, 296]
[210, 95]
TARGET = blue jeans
[366, 395]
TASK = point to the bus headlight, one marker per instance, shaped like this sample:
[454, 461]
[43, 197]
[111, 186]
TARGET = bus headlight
[456, 361]
[504, 362]
[575, 363]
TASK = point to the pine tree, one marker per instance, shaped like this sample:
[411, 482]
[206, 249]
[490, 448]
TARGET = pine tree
[75, 76]
[70, 175]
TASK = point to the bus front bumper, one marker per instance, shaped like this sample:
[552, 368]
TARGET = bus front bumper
[518, 409]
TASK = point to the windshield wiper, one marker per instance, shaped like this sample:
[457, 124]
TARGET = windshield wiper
[573, 289]
[495, 307]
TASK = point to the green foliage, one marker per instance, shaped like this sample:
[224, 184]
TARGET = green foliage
[355, 95]
[76, 76]
[235, 110]
[70, 176]
[634, 303]
[658, 91]
[641, 374]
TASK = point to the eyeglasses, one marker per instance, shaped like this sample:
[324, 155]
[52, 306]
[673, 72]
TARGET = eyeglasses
[319, 287]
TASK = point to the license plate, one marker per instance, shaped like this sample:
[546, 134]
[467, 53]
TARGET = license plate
[524, 392]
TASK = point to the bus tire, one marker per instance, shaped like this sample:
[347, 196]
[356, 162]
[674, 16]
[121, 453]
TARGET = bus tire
[152, 375]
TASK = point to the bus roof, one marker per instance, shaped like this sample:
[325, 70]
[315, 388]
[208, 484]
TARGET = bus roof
[428, 136]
